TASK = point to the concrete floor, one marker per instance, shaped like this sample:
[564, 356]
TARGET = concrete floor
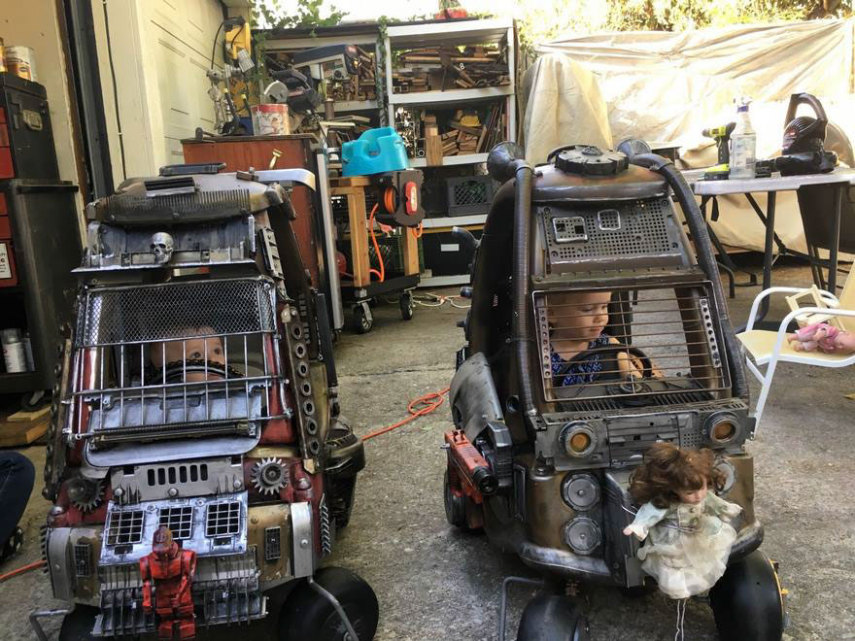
[434, 583]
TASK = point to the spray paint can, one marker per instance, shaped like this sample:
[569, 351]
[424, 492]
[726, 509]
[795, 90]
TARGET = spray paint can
[21, 61]
[14, 354]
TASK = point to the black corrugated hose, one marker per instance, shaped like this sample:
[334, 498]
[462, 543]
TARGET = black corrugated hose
[698, 228]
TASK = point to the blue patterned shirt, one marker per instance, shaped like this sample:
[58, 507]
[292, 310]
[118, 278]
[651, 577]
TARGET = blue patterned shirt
[570, 373]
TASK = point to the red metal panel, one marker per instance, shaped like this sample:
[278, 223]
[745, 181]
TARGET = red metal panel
[240, 154]
[7, 169]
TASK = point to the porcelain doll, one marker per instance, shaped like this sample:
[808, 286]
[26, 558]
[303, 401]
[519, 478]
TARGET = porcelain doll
[684, 525]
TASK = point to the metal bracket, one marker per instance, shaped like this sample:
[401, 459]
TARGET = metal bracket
[351, 633]
[35, 615]
[303, 540]
[503, 607]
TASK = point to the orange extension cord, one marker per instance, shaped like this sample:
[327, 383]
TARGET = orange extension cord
[418, 407]
[22, 570]
[382, 273]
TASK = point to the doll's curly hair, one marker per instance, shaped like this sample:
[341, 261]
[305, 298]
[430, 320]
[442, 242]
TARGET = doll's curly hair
[668, 469]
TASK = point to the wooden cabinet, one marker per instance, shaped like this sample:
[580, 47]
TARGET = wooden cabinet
[242, 152]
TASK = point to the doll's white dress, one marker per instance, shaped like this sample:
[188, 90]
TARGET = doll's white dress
[687, 545]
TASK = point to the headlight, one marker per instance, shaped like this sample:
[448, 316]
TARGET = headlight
[722, 428]
[578, 439]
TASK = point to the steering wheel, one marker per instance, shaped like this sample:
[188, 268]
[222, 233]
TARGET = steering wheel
[588, 354]
[175, 371]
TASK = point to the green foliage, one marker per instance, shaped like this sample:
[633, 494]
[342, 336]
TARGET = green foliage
[544, 20]
[270, 14]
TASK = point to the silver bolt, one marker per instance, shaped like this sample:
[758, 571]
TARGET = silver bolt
[237, 483]
[173, 492]
[118, 492]
[304, 543]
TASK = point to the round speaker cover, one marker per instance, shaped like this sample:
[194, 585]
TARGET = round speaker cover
[582, 535]
[581, 492]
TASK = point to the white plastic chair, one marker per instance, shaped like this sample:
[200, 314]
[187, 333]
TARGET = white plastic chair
[768, 348]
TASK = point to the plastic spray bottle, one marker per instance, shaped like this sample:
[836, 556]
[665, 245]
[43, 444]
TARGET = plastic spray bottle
[743, 143]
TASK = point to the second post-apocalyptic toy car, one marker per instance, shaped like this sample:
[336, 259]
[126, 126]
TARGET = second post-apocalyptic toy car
[197, 461]
[590, 248]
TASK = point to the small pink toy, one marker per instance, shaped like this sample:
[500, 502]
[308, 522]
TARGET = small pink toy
[820, 336]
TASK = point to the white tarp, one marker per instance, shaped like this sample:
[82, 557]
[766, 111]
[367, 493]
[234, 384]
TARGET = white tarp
[665, 86]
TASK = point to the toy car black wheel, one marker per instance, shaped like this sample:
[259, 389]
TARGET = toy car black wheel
[77, 624]
[407, 305]
[549, 617]
[308, 615]
[363, 320]
[456, 508]
[747, 601]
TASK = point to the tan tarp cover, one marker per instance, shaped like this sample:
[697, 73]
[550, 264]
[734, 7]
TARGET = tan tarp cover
[664, 86]
[561, 102]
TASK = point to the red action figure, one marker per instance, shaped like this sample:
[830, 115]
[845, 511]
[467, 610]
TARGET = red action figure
[167, 574]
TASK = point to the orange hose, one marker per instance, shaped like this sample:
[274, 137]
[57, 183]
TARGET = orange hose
[417, 407]
[382, 273]
[417, 231]
[22, 570]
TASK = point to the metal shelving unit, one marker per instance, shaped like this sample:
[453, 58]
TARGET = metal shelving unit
[452, 33]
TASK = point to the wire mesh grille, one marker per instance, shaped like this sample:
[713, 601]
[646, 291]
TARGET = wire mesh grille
[179, 520]
[222, 519]
[624, 229]
[155, 312]
[83, 559]
[603, 349]
[125, 527]
[175, 360]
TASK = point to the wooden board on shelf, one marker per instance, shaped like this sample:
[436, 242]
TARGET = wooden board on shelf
[17, 433]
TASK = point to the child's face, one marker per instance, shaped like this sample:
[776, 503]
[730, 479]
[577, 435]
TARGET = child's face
[208, 349]
[693, 496]
[579, 316]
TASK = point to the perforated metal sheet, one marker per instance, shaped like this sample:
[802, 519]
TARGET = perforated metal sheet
[617, 233]
[155, 312]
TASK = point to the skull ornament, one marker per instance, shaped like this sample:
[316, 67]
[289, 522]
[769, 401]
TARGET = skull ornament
[162, 246]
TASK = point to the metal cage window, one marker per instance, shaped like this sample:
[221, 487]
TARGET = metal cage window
[643, 346]
[197, 354]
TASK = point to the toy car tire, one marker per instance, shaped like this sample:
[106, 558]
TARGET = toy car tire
[747, 601]
[77, 624]
[307, 615]
[455, 508]
[363, 320]
[549, 617]
[407, 305]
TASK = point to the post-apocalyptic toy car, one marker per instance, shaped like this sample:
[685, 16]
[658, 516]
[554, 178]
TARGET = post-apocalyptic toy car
[197, 461]
[590, 247]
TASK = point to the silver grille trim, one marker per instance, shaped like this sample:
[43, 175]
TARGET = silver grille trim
[186, 479]
[212, 526]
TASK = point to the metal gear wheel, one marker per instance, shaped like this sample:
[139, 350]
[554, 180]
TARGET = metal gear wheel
[85, 494]
[268, 476]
